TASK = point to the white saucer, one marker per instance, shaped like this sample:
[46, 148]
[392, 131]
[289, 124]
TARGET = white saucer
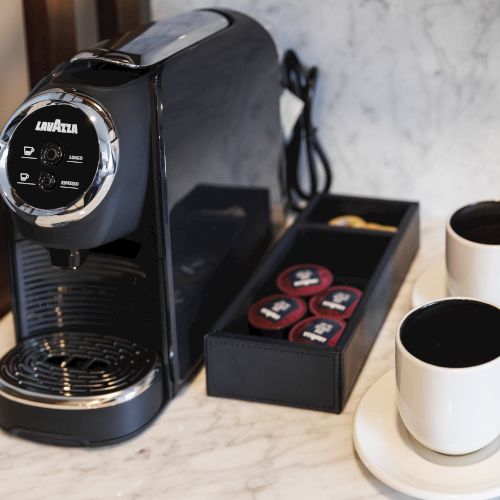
[430, 285]
[393, 456]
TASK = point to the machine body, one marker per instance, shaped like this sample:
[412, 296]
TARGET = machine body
[139, 177]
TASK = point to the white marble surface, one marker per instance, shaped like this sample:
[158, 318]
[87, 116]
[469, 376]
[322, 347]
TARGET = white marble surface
[408, 106]
[409, 97]
[210, 448]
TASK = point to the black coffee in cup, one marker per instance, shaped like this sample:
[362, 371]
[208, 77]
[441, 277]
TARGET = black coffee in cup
[479, 222]
[453, 333]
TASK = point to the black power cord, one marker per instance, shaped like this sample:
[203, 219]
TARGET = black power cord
[301, 81]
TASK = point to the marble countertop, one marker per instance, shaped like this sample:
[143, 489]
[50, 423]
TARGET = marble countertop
[203, 447]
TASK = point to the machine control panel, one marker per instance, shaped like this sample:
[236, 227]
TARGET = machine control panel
[53, 156]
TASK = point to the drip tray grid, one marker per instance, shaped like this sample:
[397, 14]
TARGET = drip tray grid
[76, 365]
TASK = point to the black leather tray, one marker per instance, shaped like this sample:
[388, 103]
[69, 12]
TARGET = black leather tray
[249, 367]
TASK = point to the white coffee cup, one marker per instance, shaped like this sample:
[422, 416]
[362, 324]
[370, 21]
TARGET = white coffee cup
[448, 374]
[473, 252]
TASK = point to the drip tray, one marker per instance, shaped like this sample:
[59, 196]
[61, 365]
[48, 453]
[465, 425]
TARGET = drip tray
[85, 369]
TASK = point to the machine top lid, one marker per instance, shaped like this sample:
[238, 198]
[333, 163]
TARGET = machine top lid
[155, 42]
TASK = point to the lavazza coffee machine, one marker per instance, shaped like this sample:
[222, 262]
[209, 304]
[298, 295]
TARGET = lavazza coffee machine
[139, 177]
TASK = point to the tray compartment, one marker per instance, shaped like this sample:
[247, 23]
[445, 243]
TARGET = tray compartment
[385, 212]
[352, 257]
[250, 367]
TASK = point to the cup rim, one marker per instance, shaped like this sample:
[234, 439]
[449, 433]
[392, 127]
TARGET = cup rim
[402, 349]
[452, 232]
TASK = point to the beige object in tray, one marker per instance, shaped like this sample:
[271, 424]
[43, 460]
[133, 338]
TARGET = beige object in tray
[355, 221]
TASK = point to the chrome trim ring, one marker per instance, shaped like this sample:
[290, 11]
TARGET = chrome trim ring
[31, 398]
[106, 169]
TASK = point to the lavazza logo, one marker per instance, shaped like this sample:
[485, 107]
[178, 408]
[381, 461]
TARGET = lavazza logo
[57, 126]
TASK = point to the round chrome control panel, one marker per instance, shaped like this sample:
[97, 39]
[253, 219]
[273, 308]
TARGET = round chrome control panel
[58, 157]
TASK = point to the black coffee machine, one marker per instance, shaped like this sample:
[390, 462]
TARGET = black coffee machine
[139, 178]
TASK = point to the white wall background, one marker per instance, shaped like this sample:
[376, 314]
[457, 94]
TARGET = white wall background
[409, 97]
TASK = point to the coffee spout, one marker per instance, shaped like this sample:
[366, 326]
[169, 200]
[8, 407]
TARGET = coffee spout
[67, 259]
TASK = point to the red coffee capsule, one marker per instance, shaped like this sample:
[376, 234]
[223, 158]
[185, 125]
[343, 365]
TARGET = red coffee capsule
[304, 280]
[275, 314]
[337, 302]
[317, 331]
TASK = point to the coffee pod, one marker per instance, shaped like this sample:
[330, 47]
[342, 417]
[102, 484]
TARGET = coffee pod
[273, 315]
[337, 302]
[304, 279]
[317, 331]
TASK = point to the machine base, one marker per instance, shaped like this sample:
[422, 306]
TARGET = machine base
[92, 427]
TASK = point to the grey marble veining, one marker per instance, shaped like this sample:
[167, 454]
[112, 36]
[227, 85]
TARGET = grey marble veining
[409, 98]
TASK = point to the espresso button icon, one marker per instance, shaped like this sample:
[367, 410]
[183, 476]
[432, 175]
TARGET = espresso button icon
[47, 181]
